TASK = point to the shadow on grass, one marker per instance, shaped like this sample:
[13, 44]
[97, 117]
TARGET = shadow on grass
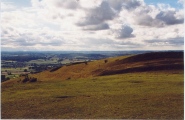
[63, 97]
[143, 69]
[136, 81]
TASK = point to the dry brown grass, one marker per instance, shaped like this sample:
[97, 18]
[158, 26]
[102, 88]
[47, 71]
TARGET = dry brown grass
[117, 65]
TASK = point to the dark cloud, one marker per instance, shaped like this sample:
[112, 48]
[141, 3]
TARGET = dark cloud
[147, 20]
[162, 19]
[127, 4]
[102, 26]
[107, 10]
[125, 32]
[131, 4]
[178, 41]
[169, 18]
[98, 15]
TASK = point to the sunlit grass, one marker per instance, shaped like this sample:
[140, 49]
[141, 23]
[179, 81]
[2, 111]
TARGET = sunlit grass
[154, 95]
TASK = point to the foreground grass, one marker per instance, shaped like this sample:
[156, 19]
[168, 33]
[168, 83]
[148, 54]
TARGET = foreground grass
[138, 95]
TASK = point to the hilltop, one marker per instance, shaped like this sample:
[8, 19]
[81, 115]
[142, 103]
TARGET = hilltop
[154, 61]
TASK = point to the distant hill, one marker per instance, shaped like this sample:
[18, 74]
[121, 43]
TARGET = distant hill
[154, 61]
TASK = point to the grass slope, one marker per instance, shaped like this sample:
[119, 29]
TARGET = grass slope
[76, 71]
[154, 94]
[156, 61]
[157, 95]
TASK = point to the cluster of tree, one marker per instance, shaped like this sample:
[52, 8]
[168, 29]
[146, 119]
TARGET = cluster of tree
[28, 79]
[4, 78]
[105, 61]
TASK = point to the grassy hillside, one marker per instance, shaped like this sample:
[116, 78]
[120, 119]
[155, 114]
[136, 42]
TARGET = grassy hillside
[91, 92]
[156, 61]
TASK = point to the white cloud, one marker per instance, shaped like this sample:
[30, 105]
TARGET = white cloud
[35, 3]
[90, 4]
[7, 7]
[92, 25]
[181, 1]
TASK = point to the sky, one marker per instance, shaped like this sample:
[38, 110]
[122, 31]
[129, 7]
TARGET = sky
[92, 25]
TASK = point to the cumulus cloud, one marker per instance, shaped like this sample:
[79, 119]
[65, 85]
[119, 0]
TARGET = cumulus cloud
[98, 15]
[169, 17]
[147, 20]
[124, 32]
[149, 15]
[132, 4]
[91, 25]
[125, 4]
[158, 17]
[107, 10]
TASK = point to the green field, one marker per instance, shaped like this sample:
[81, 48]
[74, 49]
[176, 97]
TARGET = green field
[154, 95]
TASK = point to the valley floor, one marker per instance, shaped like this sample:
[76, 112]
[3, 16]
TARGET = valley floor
[146, 95]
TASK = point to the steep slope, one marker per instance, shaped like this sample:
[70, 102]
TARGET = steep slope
[155, 61]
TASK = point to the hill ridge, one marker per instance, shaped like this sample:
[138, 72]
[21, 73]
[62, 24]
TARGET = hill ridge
[153, 61]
